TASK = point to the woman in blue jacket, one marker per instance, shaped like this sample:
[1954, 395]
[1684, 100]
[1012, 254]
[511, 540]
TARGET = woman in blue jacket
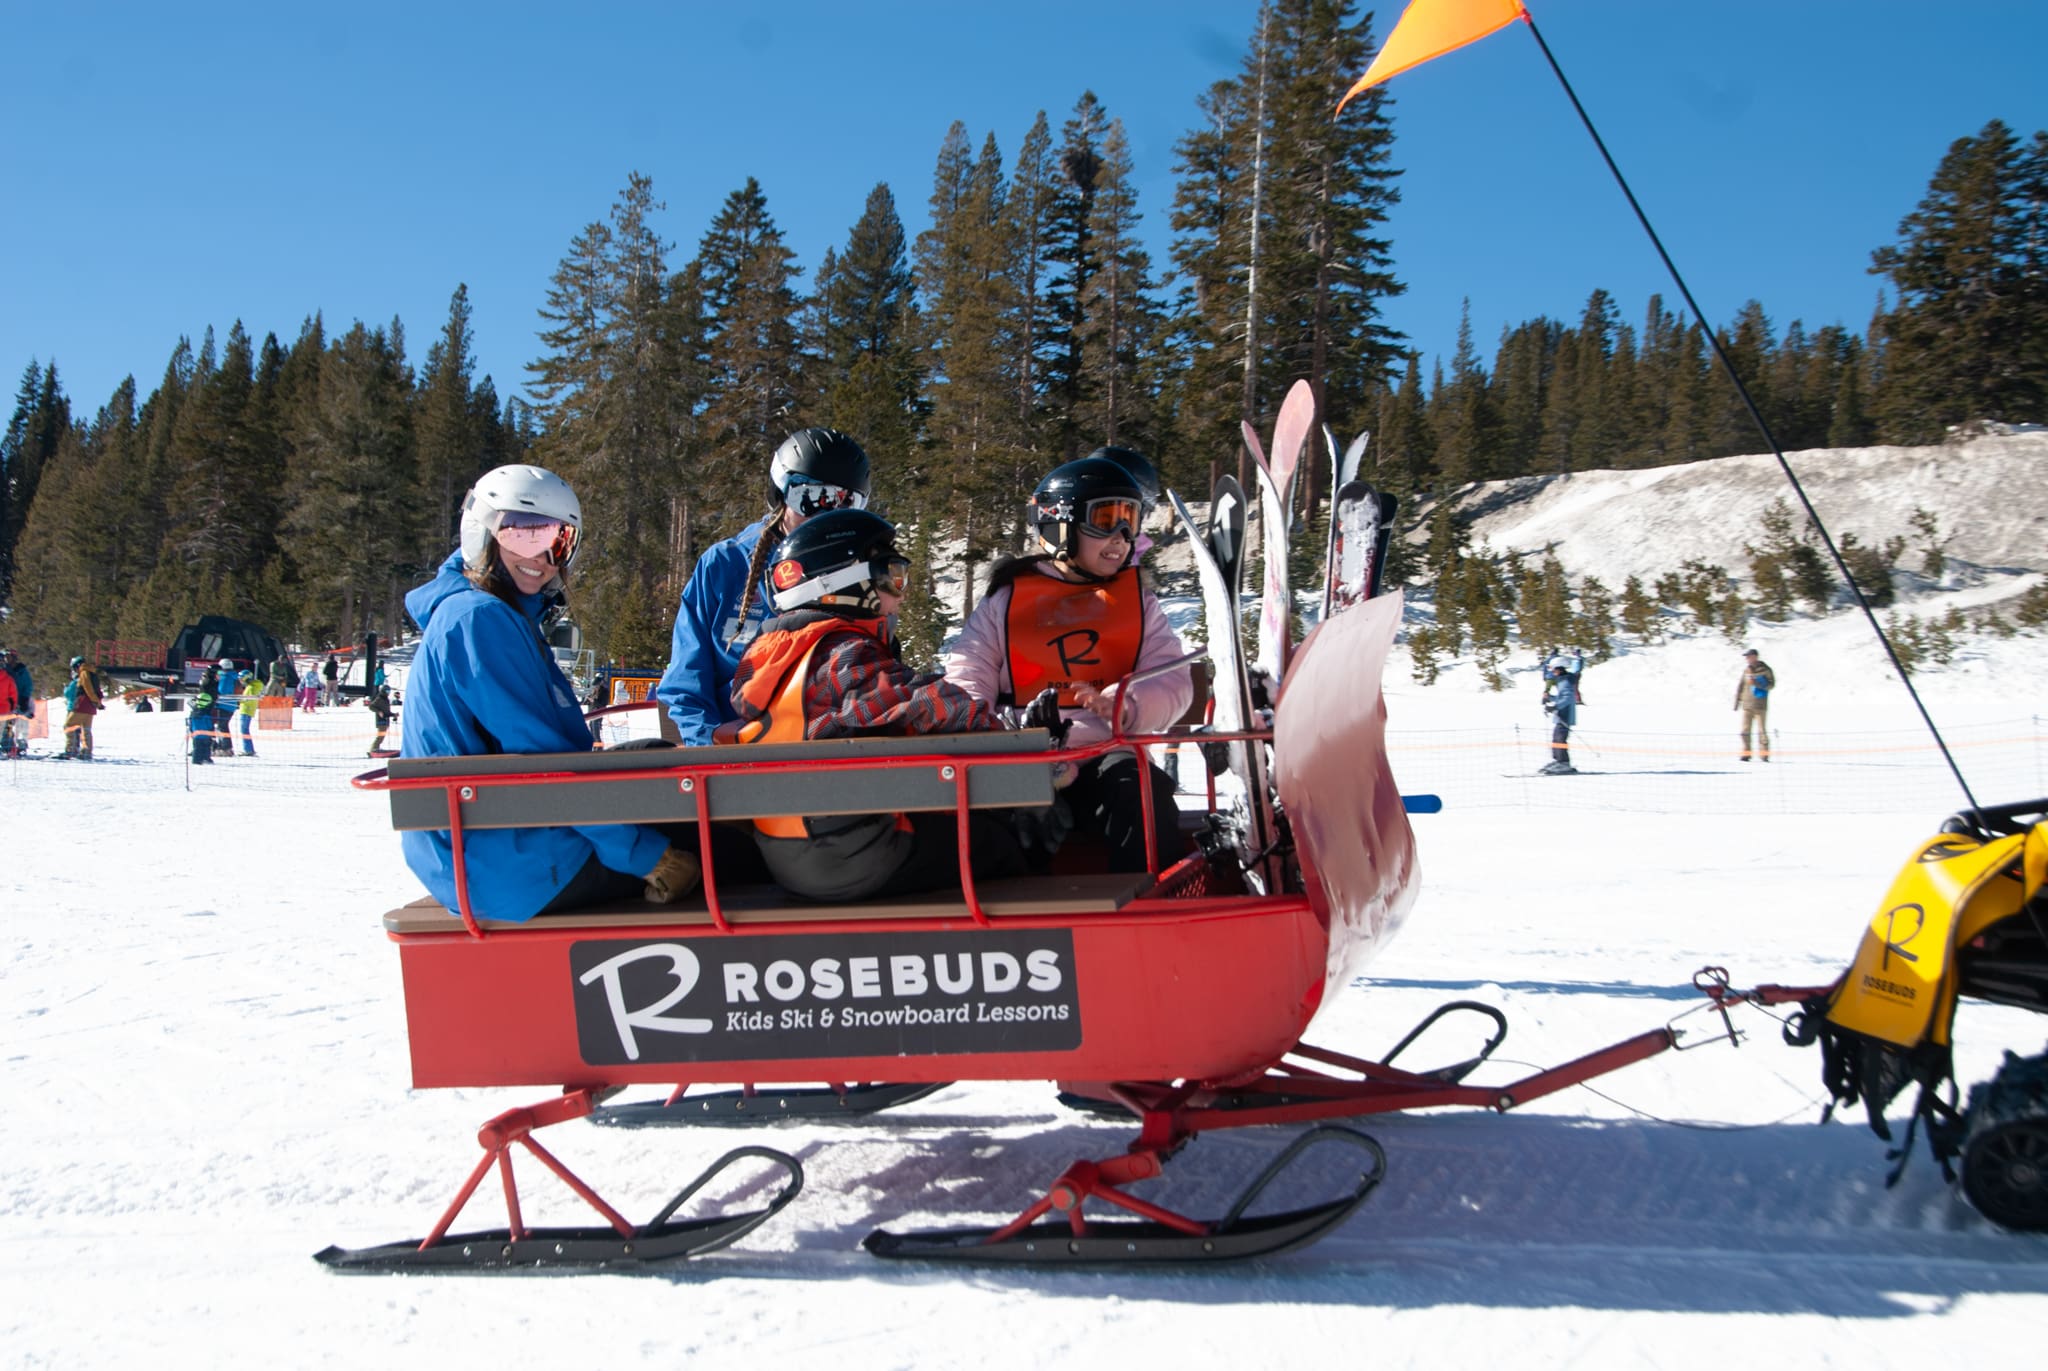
[726, 600]
[483, 681]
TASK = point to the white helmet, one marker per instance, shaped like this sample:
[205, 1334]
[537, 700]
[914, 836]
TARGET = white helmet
[226, 664]
[531, 490]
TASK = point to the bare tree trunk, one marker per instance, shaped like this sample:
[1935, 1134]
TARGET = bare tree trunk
[680, 562]
[1249, 408]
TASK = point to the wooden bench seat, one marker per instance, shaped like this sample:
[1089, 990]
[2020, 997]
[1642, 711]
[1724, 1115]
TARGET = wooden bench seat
[1079, 893]
[660, 785]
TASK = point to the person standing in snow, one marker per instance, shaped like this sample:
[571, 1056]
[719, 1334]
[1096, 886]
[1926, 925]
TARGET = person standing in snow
[1561, 703]
[484, 681]
[10, 707]
[331, 674]
[1753, 697]
[199, 722]
[224, 697]
[379, 702]
[251, 693]
[83, 697]
[726, 600]
[14, 735]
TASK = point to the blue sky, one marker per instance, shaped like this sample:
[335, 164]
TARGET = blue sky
[166, 168]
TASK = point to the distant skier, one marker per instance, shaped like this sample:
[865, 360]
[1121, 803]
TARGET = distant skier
[84, 696]
[14, 737]
[1561, 703]
[1753, 698]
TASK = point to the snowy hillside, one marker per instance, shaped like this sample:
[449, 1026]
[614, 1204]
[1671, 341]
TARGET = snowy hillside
[1987, 494]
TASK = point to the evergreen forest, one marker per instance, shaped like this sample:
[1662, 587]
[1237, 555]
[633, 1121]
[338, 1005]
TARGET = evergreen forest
[308, 484]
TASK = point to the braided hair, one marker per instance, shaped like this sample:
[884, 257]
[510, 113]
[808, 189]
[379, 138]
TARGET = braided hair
[757, 565]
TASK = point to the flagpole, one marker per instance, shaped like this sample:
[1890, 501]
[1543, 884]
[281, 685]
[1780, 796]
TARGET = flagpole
[1728, 367]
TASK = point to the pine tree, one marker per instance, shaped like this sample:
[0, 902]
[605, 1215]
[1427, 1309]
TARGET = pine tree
[1462, 414]
[1277, 219]
[1028, 203]
[1639, 615]
[1546, 605]
[1119, 319]
[1966, 339]
[1522, 377]
[981, 463]
[359, 469]
[1750, 347]
[1593, 624]
[872, 372]
[40, 419]
[1403, 453]
[449, 431]
[1073, 248]
[222, 500]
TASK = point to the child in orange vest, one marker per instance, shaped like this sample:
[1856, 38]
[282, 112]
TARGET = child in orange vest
[828, 666]
[1078, 620]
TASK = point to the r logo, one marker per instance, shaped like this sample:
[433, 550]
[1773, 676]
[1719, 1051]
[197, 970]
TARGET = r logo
[682, 965]
[1071, 657]
[1892, 941]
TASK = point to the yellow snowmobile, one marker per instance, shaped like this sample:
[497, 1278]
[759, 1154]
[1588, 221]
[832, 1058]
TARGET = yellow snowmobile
[1966, 917]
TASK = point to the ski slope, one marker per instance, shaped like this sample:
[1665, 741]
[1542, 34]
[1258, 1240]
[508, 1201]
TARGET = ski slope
[206, 1081]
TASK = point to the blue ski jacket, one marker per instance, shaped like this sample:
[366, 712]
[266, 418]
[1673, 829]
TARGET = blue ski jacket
[709, 640]
[1561, 699]
[483, 681]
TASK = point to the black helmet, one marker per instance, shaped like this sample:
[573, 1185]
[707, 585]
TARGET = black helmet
[817, 469]
[1141, 471]
[838, 561]
[1094, 491]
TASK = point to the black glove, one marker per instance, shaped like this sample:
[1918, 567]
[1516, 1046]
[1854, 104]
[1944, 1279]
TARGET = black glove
[1044, 712]
[1041, 831]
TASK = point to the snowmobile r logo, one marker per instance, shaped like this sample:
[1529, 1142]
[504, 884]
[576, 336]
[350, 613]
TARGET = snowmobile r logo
[838, 994]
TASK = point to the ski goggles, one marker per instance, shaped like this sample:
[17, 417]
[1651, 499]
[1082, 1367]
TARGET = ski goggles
[887, 573]
[1110, 515]
[534, 536]
[808, 497]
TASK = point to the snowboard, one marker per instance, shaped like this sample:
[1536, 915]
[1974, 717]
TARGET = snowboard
[1276, 503]
[1361, 524]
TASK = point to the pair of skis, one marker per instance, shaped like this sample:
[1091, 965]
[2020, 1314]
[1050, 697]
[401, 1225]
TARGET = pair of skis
[1360, 524]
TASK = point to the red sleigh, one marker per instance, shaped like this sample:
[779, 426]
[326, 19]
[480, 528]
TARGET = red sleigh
[1177, 996]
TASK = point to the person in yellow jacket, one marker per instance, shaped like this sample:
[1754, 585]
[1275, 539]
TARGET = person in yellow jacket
[84, 697]
[252, 692]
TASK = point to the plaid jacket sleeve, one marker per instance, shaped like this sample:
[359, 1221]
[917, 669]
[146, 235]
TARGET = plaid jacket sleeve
[862, 690]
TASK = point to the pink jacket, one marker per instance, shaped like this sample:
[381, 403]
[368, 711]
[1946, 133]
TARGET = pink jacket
[979, 663]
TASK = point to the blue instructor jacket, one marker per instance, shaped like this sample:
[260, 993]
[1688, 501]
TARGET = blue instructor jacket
[482, 681]
[709, 640]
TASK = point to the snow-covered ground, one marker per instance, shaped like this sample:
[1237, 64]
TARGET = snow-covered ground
[205, 1079]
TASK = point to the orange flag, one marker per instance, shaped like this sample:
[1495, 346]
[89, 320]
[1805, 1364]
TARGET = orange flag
[1431, 28]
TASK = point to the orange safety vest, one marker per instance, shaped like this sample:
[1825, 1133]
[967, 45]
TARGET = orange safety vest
[1064, 634]
[783, 720]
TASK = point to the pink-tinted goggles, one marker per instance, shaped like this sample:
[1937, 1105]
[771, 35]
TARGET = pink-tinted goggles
[534, 536]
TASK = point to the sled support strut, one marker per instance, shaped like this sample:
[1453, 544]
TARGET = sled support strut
[617, 1246]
